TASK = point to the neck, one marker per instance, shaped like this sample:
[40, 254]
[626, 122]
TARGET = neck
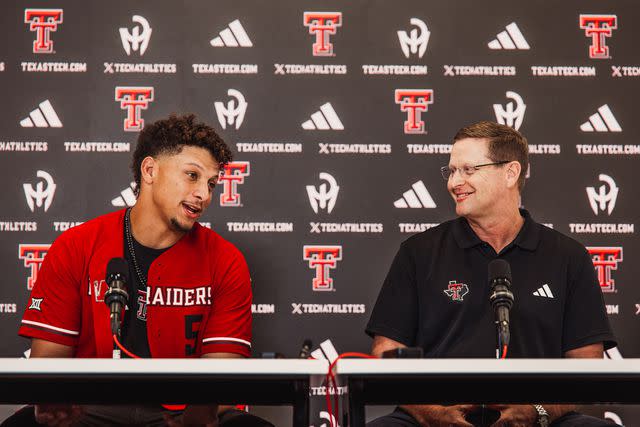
[150, 229]
[498, 231]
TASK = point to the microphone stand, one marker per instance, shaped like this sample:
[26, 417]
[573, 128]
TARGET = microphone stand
[504, 337]
[502, 301]
[116, 298]
[115, 332]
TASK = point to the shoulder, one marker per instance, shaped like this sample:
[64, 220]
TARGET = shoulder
[214, 243]
[92, 230]
[560, 244]
[224, 259]
[565, 250]
[431, 239]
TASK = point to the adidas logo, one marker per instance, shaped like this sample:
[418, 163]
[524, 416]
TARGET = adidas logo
[602, 121]
[42, 117]
[126, 198]
[544, 291]
[232, 36]
[324, 119]
[417, 197]
[326, 351]
[510, 39]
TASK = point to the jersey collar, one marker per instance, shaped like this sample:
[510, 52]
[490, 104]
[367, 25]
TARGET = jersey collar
[528, 237]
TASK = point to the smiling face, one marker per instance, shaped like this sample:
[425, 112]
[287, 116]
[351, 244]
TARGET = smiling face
[483, 193]
[182, 186]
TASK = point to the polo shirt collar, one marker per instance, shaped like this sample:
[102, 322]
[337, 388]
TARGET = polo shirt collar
[527, 238]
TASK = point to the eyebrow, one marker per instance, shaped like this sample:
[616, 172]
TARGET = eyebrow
[215, 177]
[195, 164]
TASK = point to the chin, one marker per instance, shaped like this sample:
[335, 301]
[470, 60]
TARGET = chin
[181, 227]
[461, 210]
[467, 212]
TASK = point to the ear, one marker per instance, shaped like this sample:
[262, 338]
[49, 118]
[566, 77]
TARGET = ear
[513, 173]
[148, 170]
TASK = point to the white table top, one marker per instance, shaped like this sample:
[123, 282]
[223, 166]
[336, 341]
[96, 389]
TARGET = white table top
[318, 367]
[486, 366]
[164, 366]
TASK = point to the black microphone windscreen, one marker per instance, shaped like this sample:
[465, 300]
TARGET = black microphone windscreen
[117, 266]
[499, 269]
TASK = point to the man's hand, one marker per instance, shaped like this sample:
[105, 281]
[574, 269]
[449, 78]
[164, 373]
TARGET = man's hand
[57, 415]
[515, 415]
[195, 416]
[201, 415]
[440, 416]
[54, 415]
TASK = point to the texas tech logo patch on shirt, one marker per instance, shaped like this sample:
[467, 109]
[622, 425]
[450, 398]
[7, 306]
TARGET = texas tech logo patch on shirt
[456, 291]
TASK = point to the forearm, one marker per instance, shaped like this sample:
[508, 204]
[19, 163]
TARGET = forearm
[591, 351]
[421, 413]
[219, 409]
[429, 415]
[42, 348]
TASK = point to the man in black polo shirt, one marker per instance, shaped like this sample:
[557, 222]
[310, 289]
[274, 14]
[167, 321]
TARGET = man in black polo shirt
[436, 294]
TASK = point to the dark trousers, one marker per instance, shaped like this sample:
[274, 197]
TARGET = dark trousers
[400, 418]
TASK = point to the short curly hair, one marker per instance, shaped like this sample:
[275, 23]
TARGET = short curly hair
[168, 136]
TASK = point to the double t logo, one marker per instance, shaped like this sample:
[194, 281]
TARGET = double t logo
[322, 259]
[43, 21]
[322, 24]
[598, 27]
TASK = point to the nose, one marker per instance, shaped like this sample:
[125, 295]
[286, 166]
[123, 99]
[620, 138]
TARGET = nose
[456, 178]
[201, 191]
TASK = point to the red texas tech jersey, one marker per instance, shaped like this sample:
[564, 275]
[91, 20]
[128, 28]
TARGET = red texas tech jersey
[198, 297]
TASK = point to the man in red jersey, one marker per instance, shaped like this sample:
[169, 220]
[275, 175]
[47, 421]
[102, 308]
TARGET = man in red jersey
[189, 290]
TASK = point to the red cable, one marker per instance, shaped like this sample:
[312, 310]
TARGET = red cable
[331, 379]
[180, 407]
[121, 347]
[504, 352]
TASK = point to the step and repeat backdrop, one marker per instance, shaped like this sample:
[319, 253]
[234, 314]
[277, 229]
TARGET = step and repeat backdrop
[340, 115]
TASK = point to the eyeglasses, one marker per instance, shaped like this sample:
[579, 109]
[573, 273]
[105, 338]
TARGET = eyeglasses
[467, 171]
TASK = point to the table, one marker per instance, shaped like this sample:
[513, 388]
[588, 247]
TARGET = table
[449, 381]
[109, 381]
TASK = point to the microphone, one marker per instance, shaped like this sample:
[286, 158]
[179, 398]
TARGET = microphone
[501, 298]
[305, 351]
[116, 296]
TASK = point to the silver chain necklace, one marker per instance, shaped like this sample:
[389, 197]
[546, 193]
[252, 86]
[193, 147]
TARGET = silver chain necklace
[132, 252]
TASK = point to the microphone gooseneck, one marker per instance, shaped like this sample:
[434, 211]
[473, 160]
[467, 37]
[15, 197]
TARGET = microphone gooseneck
[117, 296]
[501, 299]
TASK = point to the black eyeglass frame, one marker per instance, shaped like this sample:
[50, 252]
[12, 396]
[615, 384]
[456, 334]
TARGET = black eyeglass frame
[446, 171]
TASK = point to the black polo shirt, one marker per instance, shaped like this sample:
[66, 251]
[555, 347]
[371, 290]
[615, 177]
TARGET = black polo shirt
[436, 294]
